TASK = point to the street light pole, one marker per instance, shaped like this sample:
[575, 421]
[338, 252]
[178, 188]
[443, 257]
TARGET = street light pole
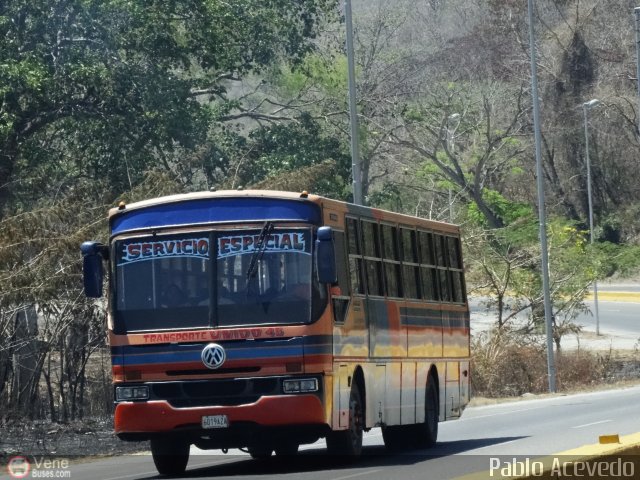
[551, 365]
[356, 170]
[585, 108]
[637, 12]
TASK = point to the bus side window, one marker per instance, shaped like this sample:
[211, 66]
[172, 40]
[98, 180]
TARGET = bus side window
[428, 271]
[444, 274]
[373, 261]
[355, 264]
[455, 269]
[391, 260]
[341, 262]
[410, 263]
[341, 302]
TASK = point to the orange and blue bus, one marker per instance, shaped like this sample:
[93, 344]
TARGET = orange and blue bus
[265, 320]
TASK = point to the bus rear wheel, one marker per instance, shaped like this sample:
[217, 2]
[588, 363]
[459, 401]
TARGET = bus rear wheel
[427, 432]
[348, 442]
[170, 455]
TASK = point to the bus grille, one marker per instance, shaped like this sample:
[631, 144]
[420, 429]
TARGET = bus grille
[214, 392]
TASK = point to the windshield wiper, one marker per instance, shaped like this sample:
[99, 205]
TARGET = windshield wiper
[260, 247]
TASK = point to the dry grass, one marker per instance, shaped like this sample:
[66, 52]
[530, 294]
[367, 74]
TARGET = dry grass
[507, 364]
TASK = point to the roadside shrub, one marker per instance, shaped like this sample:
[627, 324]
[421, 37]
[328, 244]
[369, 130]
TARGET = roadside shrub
[505, 363]
[579, 368]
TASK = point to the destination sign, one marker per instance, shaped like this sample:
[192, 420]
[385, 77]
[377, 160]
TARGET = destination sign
[138, 251]
[276, 242]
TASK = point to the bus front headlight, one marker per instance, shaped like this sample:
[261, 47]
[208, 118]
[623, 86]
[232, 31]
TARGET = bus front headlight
[124, 394]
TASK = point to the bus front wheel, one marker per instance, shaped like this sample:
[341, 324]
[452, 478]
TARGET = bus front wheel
[349, 442]
[170, 455]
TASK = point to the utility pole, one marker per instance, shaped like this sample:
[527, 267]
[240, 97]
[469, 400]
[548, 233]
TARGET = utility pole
[356, 170]
[551, 366]
[637, 12]
[585, 107]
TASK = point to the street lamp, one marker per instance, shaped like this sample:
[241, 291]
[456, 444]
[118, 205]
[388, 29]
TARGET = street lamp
[450, 131]
[585, 108]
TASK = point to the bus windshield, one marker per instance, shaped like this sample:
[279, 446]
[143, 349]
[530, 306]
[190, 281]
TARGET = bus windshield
[261, 277]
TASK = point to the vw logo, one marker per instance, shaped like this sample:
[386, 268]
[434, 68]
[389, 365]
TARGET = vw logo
[213, 356]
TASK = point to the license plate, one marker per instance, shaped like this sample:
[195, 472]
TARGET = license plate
[215, 421]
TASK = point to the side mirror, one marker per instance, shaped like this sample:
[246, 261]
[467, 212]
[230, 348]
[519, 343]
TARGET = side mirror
[326, 256]
[93, 253]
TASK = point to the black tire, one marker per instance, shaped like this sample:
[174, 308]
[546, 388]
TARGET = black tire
[427, 432]
[287, 449]
[348, 442]
[170, 455]
[260, 452]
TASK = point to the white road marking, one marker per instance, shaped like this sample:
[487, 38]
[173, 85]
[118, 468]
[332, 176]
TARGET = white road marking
[592, 423]
[500, 413]
[499, 443]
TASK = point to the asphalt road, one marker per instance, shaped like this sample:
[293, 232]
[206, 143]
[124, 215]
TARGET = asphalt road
[615, 317]
[528, 428]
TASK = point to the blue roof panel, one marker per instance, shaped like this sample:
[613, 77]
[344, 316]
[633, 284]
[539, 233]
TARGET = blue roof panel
[207, 211]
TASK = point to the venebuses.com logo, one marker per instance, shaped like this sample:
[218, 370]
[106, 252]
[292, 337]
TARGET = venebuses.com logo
[18, 467]
[21, 466]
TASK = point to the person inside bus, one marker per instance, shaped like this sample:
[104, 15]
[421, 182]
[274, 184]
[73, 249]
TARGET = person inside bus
[173, 297]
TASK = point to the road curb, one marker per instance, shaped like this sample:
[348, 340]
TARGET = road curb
[616, 296]
[600, 460]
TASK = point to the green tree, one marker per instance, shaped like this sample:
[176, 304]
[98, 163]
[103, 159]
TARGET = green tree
[94, 94]
[505, 266]
[283, 150]
[108, 88]
[466, 137]
[41, 273]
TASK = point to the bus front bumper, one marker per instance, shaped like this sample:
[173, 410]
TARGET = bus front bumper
[272, 411]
